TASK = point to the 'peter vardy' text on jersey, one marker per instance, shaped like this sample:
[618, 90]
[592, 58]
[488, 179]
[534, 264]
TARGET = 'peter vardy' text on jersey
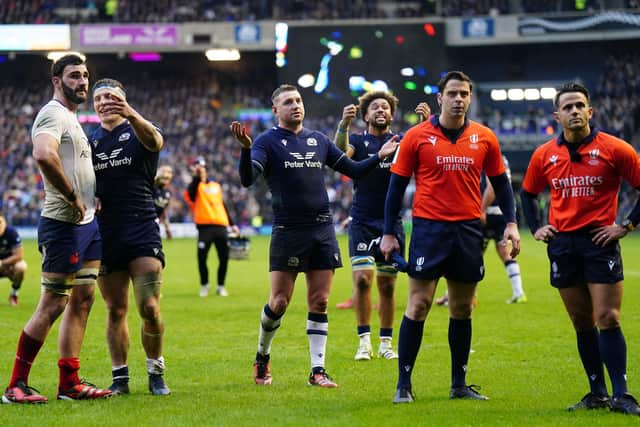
[125, 172]
[293, 165]
[370, 191]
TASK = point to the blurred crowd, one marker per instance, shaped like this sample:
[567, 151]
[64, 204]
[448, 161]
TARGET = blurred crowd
[616, 98]
[194, 114]
[135, 11]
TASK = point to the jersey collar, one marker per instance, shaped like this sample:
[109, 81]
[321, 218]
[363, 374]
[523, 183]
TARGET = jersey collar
[451, 134]
[116, 129]
[588, 139]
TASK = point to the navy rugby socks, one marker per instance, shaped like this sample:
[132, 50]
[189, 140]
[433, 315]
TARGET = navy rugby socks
[460, 345]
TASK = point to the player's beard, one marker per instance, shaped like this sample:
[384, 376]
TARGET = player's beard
[381, 125]
[71, 95]
[294, 122]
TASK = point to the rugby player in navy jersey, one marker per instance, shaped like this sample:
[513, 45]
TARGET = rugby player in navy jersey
[162, 196]
[367, 218]
[12, 263]
[292, 159]
[125, 158]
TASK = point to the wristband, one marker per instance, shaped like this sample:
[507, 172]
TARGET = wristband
[71, 197]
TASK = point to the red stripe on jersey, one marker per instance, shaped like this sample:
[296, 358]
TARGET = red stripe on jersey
[447, 174]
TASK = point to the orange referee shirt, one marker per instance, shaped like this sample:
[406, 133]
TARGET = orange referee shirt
[584, 193]
[209, 206]
[447, 173]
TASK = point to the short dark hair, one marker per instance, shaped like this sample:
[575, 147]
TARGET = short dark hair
[58, 66]
[570, 87]
[108, 82]
[282, 88]
[366, 99]
[454, 75]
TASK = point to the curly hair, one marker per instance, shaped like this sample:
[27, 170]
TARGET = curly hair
[365, 100]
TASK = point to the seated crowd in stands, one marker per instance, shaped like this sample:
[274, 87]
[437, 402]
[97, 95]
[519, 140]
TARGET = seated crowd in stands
[130, 11]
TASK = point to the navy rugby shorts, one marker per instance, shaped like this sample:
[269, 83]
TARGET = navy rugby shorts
[449, 249]
[364, 238]
[66, 246]
[304, 248]
[125, 242]
[575, 259]
[494, 228]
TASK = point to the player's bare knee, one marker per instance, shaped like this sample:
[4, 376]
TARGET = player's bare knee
[52, 303]
[362, 282]
[82, 303]
[20, 268]
[608, 319]
[150, 310]
[279, 303]
[320, 306]
[582, 321]
[460, 311]
[417, 309]
[386, 289]
[117, 313]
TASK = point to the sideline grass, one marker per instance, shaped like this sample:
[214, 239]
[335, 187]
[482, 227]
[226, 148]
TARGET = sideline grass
[525, 355]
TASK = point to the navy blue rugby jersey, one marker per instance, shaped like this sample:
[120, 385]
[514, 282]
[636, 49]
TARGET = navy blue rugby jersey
[125, 172]
[9, 241]
[293, 165]
[371, 190]
[161, 197]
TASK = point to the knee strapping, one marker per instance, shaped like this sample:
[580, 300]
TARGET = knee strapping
[57, 285]
[362, 263]
[147, 285]
[151, 334]
[386, 270]
[86, 276]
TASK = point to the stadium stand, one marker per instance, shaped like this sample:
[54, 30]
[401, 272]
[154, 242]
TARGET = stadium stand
[195, 107]
[177, 11]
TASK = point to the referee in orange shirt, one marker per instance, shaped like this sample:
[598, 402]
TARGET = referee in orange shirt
[210, 214]
[583, 168]
[447, 155]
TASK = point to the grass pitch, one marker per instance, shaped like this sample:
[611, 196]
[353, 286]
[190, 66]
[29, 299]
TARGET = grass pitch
[524, 357]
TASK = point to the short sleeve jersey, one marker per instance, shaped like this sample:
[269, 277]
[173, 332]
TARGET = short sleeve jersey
[293, 165]
[371, 190]
[125, 172]
[56, 120]
[447, 173]
[9, 241]
[583, 193]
